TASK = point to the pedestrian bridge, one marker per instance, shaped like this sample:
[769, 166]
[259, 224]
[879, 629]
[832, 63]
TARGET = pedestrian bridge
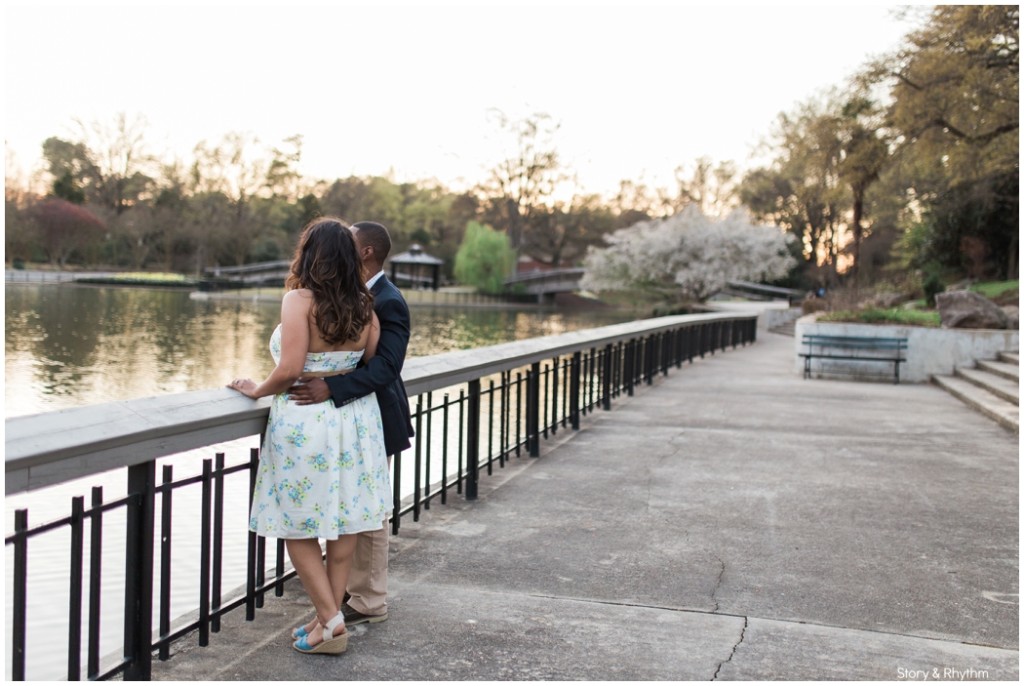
[272, 273]
[545, 283]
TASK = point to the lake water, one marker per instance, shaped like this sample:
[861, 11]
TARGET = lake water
[68, 346]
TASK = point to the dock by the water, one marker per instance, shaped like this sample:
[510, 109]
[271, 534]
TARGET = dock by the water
[731, 522]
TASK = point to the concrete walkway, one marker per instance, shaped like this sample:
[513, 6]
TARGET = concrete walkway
[731, 522]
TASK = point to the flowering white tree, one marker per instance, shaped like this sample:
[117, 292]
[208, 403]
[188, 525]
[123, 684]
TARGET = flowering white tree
[688, 255]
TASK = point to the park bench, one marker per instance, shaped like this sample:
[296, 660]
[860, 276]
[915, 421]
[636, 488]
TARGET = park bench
[860, 348]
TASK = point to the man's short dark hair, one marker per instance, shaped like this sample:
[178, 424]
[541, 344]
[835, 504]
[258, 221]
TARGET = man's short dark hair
[376, 236]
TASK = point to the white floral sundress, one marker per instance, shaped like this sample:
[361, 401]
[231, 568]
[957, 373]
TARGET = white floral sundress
[323, 472]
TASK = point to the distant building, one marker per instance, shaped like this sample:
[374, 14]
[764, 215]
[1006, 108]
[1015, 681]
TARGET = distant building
[416, 269]
[526, 264]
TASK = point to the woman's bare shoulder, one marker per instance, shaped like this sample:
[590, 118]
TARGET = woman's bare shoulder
[299, 294]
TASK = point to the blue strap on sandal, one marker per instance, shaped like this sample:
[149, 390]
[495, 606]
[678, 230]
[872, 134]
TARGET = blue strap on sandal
[329, 646]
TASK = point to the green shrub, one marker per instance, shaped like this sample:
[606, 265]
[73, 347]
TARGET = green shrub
[932, 284]
[485, 258]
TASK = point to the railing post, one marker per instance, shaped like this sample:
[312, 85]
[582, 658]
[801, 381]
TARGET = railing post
[95, 577]
[166, 541]
[473, 440]
[644, 360]
[396, 485]
[650, 362]
[594, 370]
[631, 362]
[490, 429]
[429, 443]
[218, 540]
[138, 591]
[606, 383]
[261, 570]
[667, 349]
[417, 465]
[553, 399]
[75, 604]
[279, 568]
[444, 452]
[206, 498]
[574, 390]
[251, 558]
[533, 410]
[19, 609]
[650, 358]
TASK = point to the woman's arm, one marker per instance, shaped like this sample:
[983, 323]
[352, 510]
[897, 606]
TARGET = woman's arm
[386, 366]
[295, 308]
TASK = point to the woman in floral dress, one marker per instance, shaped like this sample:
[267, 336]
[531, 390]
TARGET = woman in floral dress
[323, 471]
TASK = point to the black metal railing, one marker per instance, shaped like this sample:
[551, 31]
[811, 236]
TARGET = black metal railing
[471, 417]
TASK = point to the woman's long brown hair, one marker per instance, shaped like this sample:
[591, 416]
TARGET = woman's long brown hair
[327, 263]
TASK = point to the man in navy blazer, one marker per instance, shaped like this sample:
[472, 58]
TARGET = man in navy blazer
[382, 374]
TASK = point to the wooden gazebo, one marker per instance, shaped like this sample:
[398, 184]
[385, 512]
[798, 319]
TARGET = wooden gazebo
[415, 268]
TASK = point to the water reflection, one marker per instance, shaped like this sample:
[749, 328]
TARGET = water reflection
[69, 345]
[439, 330]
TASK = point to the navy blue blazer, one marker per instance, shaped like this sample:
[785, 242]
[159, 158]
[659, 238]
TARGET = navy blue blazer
[382, 374]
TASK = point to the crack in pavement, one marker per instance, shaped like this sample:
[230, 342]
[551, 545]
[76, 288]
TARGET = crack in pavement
[777, 620]
[743, 633]
[718, 583]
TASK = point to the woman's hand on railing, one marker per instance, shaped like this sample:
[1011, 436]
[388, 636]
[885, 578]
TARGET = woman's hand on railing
[246, 387]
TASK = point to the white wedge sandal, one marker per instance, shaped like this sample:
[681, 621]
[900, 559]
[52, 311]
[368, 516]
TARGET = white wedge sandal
[329, 646]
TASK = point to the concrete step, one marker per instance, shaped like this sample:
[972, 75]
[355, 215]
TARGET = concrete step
[1005, 413]
[993, 383]
[1010, 358]
[787, 329]
[1004, 369]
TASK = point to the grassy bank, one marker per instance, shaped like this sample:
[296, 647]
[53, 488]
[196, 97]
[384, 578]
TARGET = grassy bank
[892, 315]
[997, 290]
[917, 313]
[142, 279]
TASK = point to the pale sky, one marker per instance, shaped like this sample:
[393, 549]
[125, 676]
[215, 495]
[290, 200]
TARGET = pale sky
[639, 88]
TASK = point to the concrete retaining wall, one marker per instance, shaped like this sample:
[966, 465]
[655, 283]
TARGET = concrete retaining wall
[929, 351]
[779, 316]
[770, 313]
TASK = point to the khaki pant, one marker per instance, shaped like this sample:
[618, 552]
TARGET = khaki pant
[368, 579]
